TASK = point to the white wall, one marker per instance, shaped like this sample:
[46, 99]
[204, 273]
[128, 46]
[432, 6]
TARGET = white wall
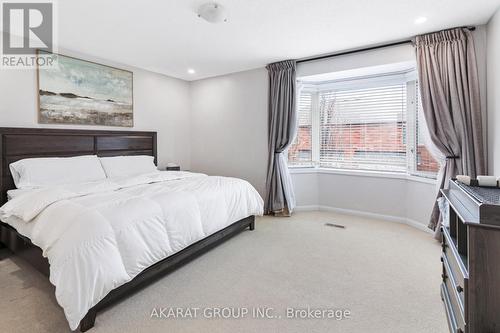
[306, 188]
[493, 65]
[398, 199]
[161, 104]
[229, 126]
[373, 58]
[385, 196]
[420, 200]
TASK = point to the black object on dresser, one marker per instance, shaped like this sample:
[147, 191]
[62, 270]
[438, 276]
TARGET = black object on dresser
[471, 259]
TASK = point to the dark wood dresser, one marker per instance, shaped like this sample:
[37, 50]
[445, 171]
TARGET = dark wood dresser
[471, 259]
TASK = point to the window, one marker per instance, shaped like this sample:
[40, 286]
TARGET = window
[365, 123]
[300, 152]
[425, 163]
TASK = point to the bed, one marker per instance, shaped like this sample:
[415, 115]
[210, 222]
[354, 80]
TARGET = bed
[124, 233]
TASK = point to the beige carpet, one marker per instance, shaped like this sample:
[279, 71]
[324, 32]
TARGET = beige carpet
[386, 274]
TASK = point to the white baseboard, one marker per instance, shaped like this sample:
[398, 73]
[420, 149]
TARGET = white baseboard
[390, 218]
[306, 208]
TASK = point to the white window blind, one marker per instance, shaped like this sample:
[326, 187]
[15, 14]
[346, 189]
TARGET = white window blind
[364, 128]
[424, 163]
[300, 152]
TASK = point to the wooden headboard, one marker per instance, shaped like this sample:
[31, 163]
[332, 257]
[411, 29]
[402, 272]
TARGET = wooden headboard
[19, 143]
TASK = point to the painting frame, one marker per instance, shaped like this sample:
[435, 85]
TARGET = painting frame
[38, 91]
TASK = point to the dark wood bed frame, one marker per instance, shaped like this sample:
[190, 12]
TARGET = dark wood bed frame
[19, 143]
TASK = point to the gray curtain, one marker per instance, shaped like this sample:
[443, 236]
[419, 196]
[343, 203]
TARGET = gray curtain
[449, 86]
[280, 198]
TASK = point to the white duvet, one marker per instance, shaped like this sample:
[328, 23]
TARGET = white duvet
[98, 236]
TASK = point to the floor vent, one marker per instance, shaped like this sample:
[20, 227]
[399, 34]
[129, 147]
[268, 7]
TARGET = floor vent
[335, 225]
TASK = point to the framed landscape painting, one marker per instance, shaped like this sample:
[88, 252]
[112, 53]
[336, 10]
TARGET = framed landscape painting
[79, 92]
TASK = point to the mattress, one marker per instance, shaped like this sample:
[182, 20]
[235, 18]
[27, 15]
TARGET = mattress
[98, 236]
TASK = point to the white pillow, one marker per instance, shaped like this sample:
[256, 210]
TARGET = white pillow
[126, 166]
[47, 171]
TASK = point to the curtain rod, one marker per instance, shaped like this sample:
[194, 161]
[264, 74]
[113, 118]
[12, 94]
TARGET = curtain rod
[369, 48]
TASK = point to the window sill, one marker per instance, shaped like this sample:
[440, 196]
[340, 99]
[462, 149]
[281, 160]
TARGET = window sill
[364, 173]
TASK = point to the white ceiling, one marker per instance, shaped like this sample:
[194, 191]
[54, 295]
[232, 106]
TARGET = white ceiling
[166, 36]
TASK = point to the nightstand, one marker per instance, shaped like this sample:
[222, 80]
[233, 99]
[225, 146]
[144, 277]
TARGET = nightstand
[173, 168]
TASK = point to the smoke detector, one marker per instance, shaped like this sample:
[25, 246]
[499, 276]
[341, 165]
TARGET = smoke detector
[212, 12]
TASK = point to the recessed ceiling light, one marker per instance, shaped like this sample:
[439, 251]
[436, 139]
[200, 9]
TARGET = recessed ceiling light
[420, 20]
[191, 71]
